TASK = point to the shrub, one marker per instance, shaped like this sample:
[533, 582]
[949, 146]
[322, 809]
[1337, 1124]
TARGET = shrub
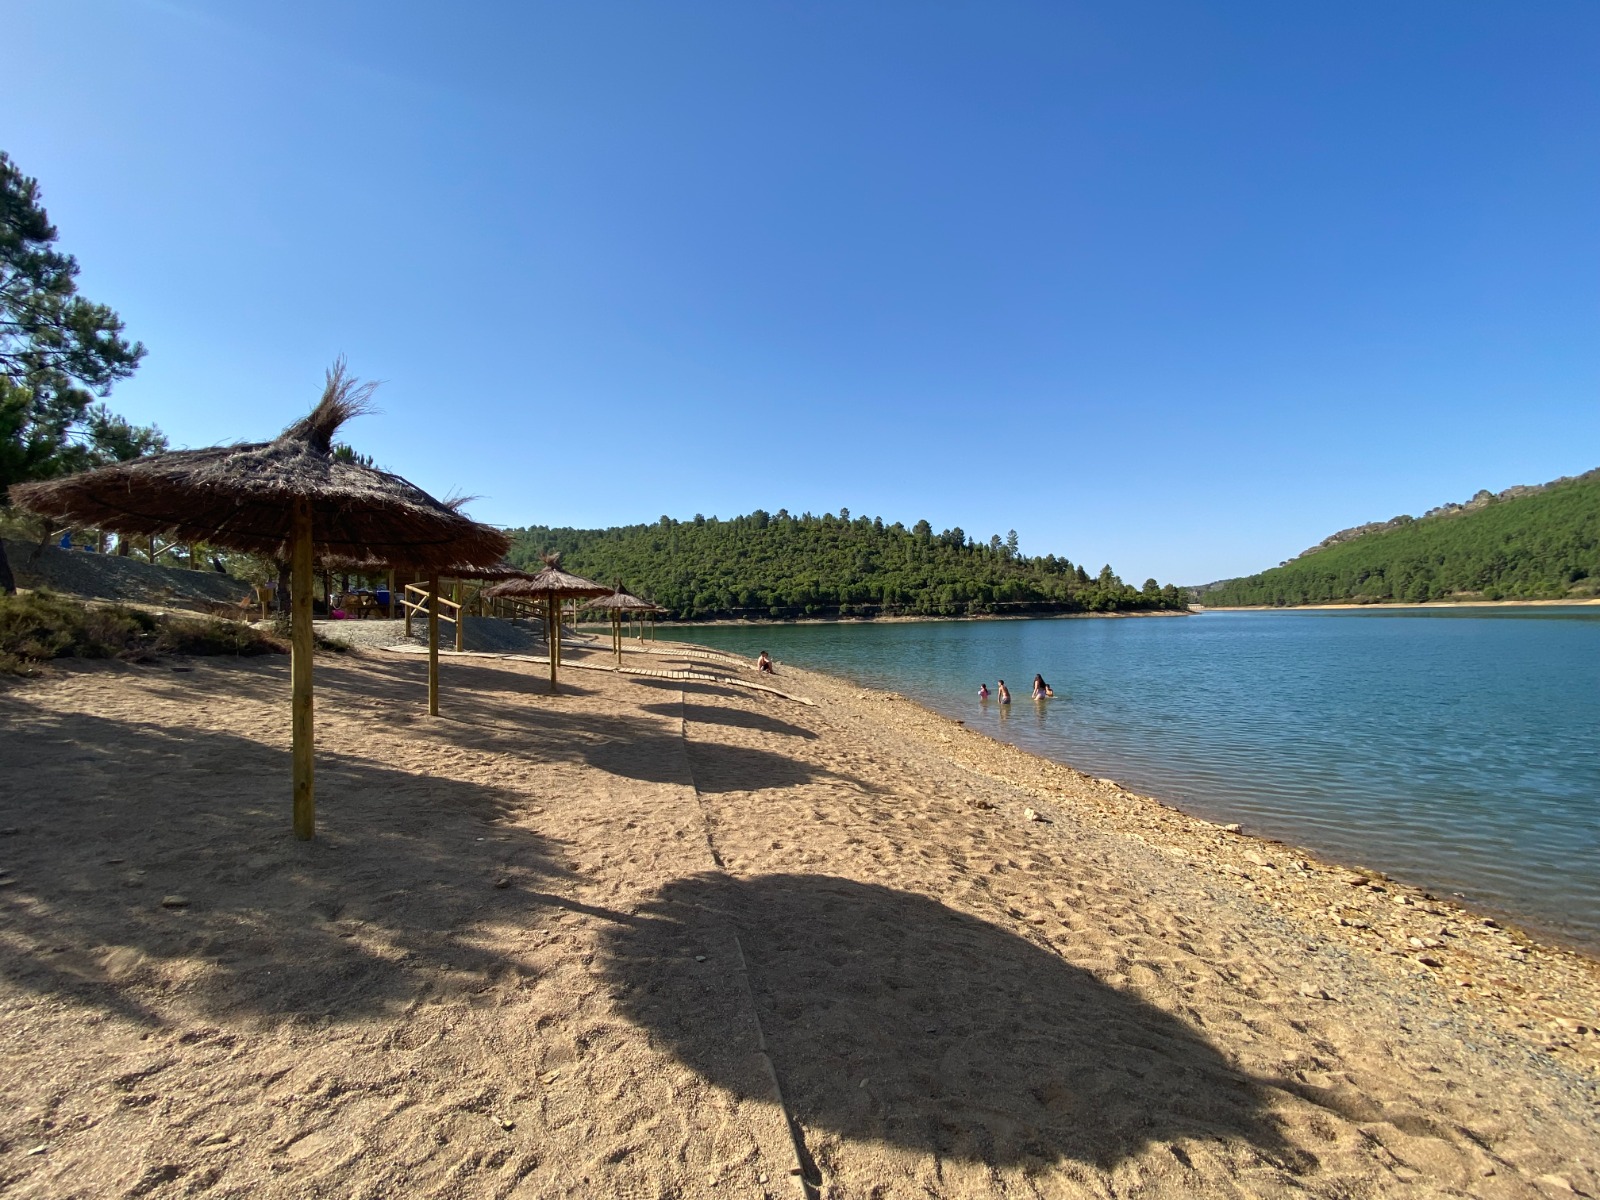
[39, 626]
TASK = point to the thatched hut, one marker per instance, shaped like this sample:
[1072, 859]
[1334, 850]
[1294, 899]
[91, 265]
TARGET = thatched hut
[554, 585]
[289, 498]
[622, 605]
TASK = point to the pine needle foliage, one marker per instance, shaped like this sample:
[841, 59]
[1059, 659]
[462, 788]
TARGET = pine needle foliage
[778, 566]
[1543, 544]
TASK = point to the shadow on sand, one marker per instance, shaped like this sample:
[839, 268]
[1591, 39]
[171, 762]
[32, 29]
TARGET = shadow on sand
[893, 1018]
[152, 863]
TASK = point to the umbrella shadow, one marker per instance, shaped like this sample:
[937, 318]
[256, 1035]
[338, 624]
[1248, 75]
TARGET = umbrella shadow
[125, 893]
[733, 718]
[892, 1018]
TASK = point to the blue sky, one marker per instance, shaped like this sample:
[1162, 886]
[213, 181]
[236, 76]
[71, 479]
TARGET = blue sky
[1180, 287]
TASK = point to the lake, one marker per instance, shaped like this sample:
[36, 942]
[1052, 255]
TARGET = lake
[1456, 749]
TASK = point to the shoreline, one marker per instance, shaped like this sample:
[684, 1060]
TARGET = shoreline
[757, 622]
[1528, 927]
[1500, 967]
[568, 943]
[1406, 604]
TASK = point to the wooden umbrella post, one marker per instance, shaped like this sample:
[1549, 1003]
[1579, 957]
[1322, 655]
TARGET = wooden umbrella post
[433, 646]
[301, 644]
[461, 613]
[551, 636]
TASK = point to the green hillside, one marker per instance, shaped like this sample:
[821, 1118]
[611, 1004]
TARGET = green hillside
[1525, 544]
[779, 566]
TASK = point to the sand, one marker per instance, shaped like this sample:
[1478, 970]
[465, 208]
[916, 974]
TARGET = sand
[668, 938]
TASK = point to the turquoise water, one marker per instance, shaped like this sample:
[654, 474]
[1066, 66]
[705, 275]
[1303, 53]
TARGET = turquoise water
[1456, 749]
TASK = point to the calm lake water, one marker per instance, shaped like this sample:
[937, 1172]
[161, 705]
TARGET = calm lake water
[1455, 749]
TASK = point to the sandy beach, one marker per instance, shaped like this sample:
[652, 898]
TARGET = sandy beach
[676, 937]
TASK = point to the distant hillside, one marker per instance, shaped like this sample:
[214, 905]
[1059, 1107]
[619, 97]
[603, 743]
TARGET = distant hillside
[778, 566]
[1525, 543]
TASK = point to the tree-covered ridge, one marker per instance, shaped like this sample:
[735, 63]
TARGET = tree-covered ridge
[780, 566]
[1539, 545]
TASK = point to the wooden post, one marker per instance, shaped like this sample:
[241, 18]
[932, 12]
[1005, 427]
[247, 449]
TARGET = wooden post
[433, 646]
[405, 607]
[390, 613]
[551, 636]
[461, 619]
[300, 643]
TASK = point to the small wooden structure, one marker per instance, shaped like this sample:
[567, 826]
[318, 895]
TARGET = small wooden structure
[620, 604]
[289, 498]
[553, 585]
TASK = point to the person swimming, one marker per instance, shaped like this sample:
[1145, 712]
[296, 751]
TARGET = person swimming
[983, 691]
[1041, 689]
[1003, 692]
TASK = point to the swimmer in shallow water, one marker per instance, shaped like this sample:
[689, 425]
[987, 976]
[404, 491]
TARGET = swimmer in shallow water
[1003, 692]
[983, 691]
[1041, 689]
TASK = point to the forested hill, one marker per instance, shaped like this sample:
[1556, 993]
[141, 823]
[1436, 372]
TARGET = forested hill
[779, 566]
[1523, 544]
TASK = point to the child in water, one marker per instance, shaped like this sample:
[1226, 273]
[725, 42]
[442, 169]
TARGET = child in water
[983, 691]
[1004, 692]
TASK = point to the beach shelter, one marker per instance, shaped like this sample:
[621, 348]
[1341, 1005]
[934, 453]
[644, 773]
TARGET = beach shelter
[554, 585]
[621, 604]
[287, 498]
[435, 600]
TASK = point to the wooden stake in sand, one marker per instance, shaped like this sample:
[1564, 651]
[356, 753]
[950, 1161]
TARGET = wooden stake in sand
[302, 644]
[433, 646]
[289, 498]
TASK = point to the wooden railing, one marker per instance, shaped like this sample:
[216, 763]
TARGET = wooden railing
[449, 610]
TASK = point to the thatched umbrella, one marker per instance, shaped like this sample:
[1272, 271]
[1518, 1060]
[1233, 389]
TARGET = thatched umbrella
[618, 604]
[287, 498]
[554, 585]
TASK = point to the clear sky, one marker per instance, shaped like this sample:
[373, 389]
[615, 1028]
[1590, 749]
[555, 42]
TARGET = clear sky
[1183, 287]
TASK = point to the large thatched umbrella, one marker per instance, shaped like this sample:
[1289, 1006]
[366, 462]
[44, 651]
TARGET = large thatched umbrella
[287, 498]
[620, 604]
[554, 585]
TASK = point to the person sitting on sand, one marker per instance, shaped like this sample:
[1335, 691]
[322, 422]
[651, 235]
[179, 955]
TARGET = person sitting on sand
[1003, 691]
[1041, 689]
[764, 664]
[983, 691]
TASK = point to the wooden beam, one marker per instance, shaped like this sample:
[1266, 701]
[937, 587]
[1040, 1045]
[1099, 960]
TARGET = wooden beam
[433, 646]
[552, 636]
[461, 619]
[301, 644]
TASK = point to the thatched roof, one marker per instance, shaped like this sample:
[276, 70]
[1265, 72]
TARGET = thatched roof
[552, 581]
[372, 566]
[621, 601]
[499, 570]
[240, 497]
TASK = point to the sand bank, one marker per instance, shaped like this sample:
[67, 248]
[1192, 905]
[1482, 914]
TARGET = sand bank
[610, 942]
